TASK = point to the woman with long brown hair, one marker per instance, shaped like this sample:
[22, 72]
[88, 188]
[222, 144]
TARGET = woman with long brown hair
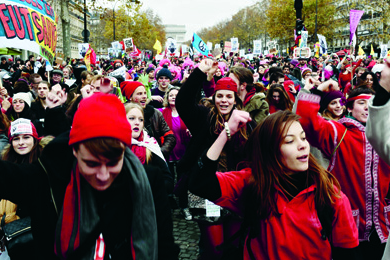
[205, 124]
[278, 99]
[292, 204]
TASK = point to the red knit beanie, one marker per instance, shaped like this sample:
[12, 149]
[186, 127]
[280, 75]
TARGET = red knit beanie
[226, 84]
[101, 115]
[128, 88]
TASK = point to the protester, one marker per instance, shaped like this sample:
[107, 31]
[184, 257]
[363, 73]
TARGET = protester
[364, 178]
[292, 204]
[204, 125]
[278, 99]
[164, 78]
[103, 169]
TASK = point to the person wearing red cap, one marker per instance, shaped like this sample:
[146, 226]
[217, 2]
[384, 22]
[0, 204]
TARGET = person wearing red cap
[76, 184]
[363, 175]
[155, 124]
[205, 124]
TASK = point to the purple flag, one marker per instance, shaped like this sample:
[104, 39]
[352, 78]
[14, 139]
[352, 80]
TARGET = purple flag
[354, 18]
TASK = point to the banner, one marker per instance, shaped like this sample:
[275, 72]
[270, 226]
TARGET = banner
[354, 18]
[234, 42]
[199, 45]
[29, 25]
[323, 44]
[257, 47]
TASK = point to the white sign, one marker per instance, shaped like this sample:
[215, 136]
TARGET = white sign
[171, 46]
[383, 51]
[116, 45]
[184, 49]
[323, 44]
[212, 210]
[234, 42]
[83, 48]
[120, 71]
[242, 53]
[217, 46]
[128, 43]
[257, 47]
[210, 45]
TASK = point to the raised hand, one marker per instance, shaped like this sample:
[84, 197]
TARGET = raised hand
[328, 86]
[237, 120]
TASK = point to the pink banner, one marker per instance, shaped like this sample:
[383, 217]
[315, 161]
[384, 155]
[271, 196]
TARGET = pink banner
[354, 18]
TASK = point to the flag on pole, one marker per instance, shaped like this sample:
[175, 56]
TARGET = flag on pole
[157, 46]
[90, 58]
[372, 51]
[361, 51]
[199, 44]
[354, 18]
[48, 66]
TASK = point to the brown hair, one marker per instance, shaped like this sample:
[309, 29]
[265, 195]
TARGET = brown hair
[10, 155]
[285, 102]
[4, 124]
[106, 147]
[243, 75]
[268, 171]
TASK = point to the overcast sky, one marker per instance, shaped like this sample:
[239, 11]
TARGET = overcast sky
[195, 14]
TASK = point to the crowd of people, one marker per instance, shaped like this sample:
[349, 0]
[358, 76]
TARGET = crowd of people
[273, 158]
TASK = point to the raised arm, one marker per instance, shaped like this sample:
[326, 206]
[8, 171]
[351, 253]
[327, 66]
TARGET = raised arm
[379, 117]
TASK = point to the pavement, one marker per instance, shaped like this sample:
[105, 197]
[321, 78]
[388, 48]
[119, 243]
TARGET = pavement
[186, 234]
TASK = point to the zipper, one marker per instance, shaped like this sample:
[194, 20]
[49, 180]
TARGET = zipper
[51, 190]
[9, 237]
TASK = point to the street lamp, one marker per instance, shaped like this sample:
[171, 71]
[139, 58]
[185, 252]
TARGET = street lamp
[113, 11]
[315, 29]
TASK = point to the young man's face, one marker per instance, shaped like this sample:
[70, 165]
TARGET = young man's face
[286, 70]
[36, 82]
[57, 77]
[100, 172]
[163, 82]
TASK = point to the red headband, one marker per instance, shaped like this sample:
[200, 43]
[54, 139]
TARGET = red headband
[362, 96]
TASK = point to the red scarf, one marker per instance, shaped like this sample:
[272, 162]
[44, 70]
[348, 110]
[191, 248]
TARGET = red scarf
[139, 151]
[249, 95]
[167, 114]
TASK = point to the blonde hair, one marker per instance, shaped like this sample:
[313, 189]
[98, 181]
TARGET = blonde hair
[130, 106]
[166, 96]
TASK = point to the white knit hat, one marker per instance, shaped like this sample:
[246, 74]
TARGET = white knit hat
[23, 96]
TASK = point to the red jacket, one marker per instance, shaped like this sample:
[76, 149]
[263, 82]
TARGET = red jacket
[296, 234]
[363, 176]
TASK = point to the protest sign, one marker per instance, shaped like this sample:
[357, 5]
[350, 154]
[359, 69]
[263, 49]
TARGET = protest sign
[210, 45]
[29, 25]
[257, 47]
[119, 72]
[383, 51]
[83, 48]
[323, 44]
[234, 42]
[128, 44]
[228, 47]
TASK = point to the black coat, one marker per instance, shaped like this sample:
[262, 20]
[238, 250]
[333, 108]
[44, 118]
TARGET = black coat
[41, 187]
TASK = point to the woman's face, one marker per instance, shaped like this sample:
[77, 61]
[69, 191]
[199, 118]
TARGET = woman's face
[261, 70]
[295, 149]
[224, 101]
[360, 110]
[276, 97]
[172, 97]
[136, 120]
[335, 107]
[18, 105]
[369, 81]
[218, 73]
[23, 144]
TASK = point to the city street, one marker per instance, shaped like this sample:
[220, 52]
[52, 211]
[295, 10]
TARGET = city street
[186, 234]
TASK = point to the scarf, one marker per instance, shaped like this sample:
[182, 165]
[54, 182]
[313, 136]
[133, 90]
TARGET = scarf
[79, 219]
[167, 114]
[249, 95]
[139, 145]
[139, 151]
